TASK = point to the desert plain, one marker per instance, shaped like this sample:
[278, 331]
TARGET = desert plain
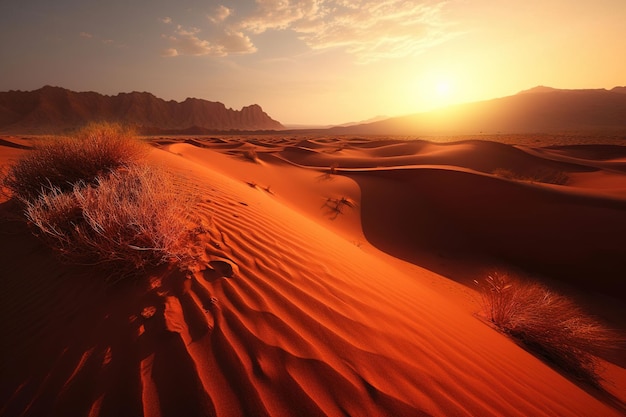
[338, 280]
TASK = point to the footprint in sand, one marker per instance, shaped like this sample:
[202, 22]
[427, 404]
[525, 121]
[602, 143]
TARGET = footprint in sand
[220, 268]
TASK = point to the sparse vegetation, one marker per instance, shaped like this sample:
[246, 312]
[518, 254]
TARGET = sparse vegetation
[130, 219]
[546, 176]
[91, 198]
[548, 324]
[332, 171]
[60, 162]
[336, 205]
[250, 155]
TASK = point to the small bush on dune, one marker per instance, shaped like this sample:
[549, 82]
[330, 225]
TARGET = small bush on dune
[548, 324]
[251, 155]
[91, 198]
[128, 219]
[546, 176]
[60, 162]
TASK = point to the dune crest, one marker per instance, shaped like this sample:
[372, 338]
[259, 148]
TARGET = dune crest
[293, 312]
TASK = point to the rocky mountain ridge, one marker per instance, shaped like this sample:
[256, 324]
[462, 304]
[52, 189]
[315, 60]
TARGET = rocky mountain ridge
[54, 109]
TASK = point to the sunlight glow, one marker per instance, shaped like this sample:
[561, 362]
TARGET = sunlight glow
[435, 89]
[443, 89]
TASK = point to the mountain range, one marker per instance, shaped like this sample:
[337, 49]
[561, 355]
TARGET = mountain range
[54, 109]
[537, 110]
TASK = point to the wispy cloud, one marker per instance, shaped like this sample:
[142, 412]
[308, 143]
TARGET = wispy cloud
[220, 14]
[95, 38]
[187, 41]
[166, 20]
[370, 30]
[170, 52]
[284, 14]
[385, 31]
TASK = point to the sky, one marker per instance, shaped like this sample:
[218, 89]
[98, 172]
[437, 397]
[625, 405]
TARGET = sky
[314, 62]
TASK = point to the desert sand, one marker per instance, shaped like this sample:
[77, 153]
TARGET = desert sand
[350, 292]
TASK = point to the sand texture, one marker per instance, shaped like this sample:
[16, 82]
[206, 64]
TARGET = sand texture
[337, 283]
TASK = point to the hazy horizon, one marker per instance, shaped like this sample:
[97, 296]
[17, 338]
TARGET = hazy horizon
[314, 62]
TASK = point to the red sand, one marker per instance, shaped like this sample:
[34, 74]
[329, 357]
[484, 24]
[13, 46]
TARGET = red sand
[323, 316]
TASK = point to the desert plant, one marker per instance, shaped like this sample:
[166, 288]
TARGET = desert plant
[548, 324]
[336, 205]
[128, 219]
[251, 155]
[332, 171]
[546, 176]
[551, 177]
[60, 162]
[506, 173]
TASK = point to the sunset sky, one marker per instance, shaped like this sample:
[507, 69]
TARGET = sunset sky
[314, 61]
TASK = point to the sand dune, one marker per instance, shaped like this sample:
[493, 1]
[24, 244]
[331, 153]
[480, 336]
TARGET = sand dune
[298, 312]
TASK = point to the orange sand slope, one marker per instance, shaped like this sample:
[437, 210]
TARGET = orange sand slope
[316, 321]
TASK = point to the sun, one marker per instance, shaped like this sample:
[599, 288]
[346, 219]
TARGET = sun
[432, 90]
[443, 89]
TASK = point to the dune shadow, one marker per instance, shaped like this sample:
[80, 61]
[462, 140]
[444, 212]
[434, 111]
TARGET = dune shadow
[71, 343]
[452, 222]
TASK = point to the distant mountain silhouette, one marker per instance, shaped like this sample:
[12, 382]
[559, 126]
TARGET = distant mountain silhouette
[538, 110]
[539, 89]
[53, 109]
[370, 120]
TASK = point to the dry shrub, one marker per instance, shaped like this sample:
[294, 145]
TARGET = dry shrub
[60, 162]
[128, 219]
[250, 155]
[546, 176]
[548, 324]
[336, 205]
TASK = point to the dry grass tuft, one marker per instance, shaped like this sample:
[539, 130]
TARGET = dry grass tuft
[335, 206]
[127, 220]
[250, 155]
[90, 198]
[332, 171]
[548, 324]
[59, 162]
[546, 176]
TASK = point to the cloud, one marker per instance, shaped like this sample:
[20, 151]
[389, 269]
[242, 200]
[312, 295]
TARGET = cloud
[220, 14]
[166, 20]
[187, 41]
[370, 30]
[103, 41]
[282, 14]
[170, 52]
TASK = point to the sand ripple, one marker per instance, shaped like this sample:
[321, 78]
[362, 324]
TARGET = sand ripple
[290, 318]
